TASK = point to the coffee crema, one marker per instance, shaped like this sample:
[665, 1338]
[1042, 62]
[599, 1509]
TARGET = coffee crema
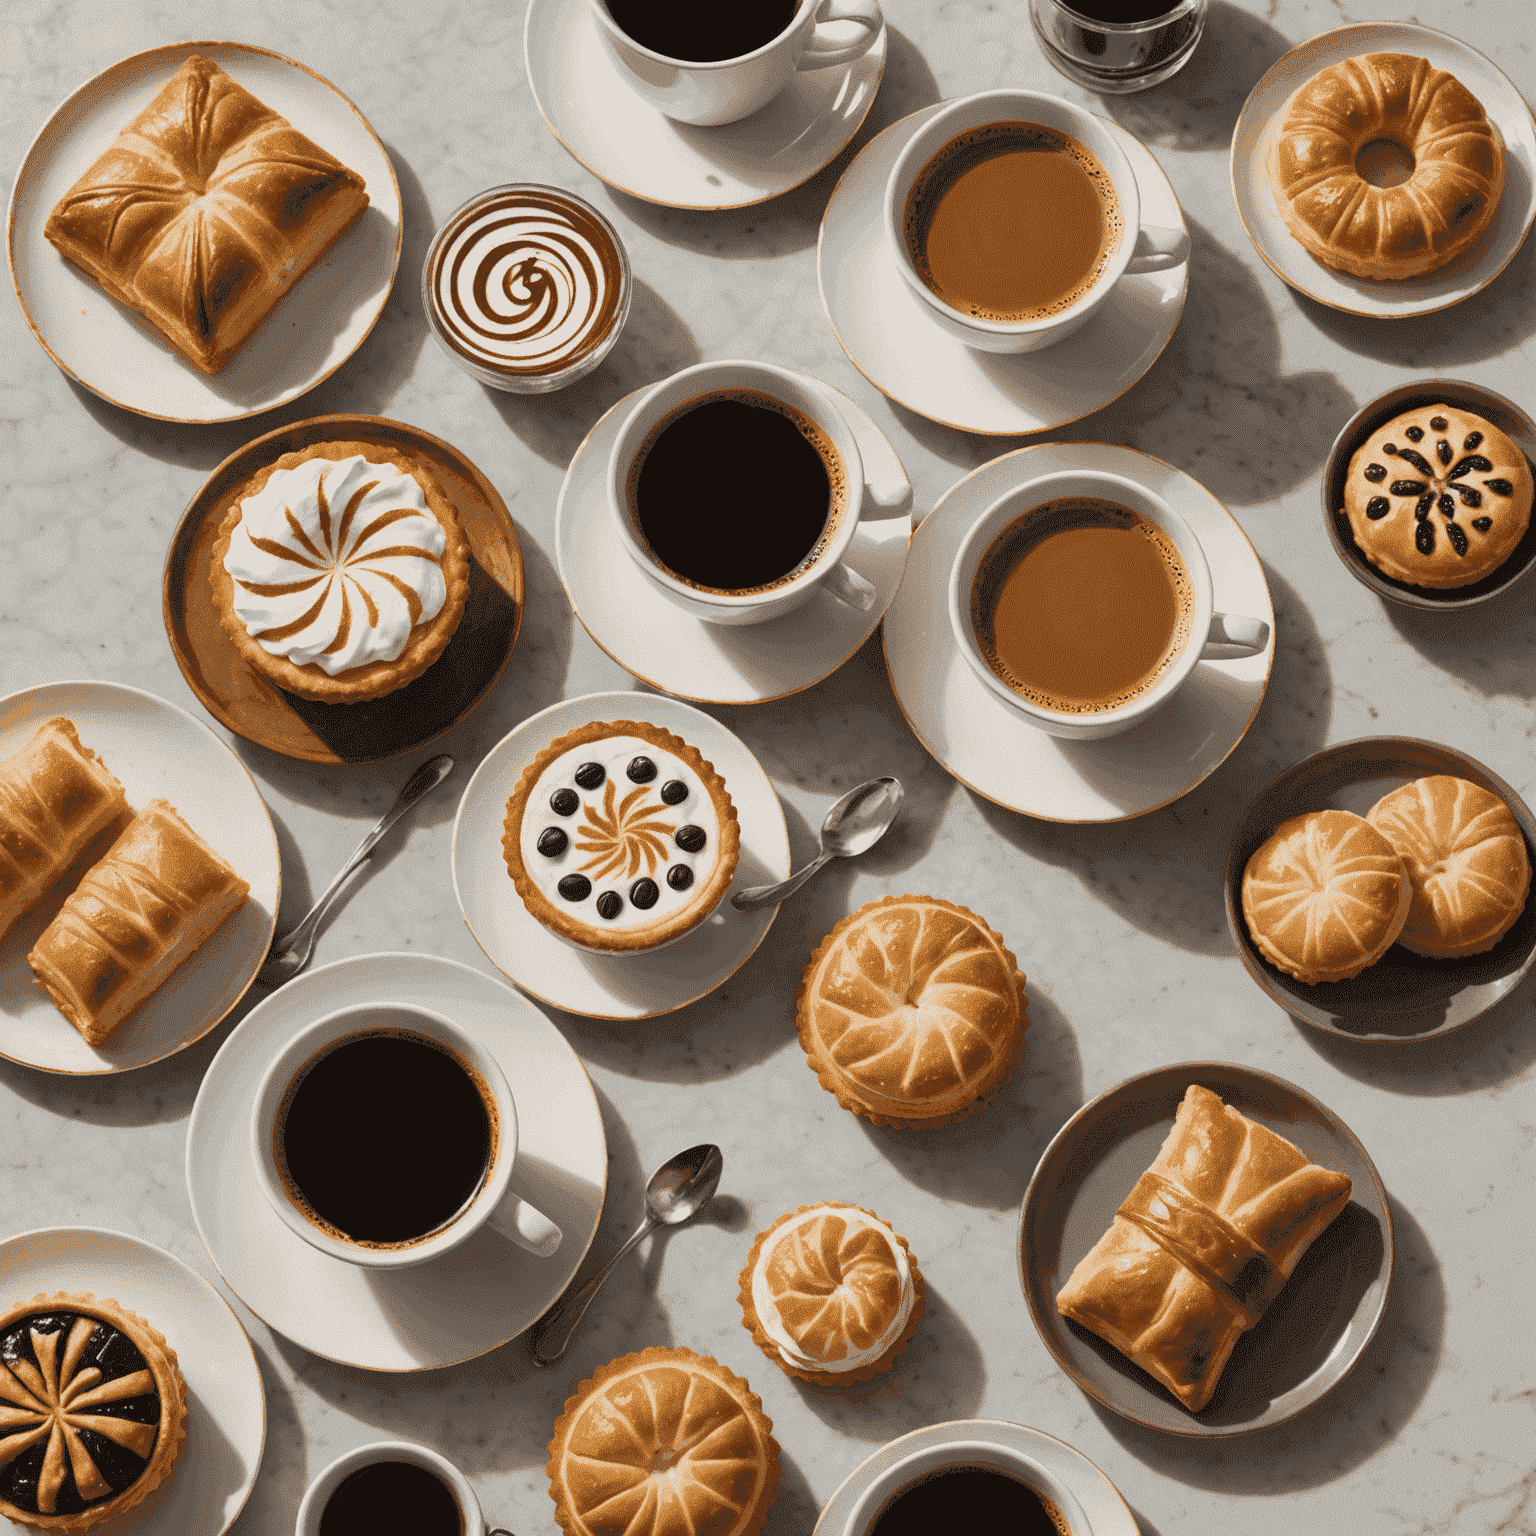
[392, 1496]
[970, 1498]
[703, 31]
[1012, 221]
[1081, 605]
[736, 492]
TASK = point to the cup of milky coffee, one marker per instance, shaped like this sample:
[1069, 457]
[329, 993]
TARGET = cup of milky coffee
[737, 488]
[391, 1485]
[1012, 215]
[713, 63]
[386, 1135]
[526, 288]
[1084, 601]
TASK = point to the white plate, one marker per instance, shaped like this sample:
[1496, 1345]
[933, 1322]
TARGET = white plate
[986, 743]
[155, 749]
[445, 1311]
[590, 108]
[113, 350]
[1101, 1500]
[714, 663]
[1469, 273]
[614, 986]
[892, 340]
[226, 1407]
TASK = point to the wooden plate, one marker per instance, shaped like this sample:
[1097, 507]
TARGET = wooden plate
[239, 698]
[1403, 996]
[1316, 1329]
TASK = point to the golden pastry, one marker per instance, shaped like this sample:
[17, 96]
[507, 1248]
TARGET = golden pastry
[912, 1012]
[1438, 497]
[663, 1443]
[1202, 1245]
[1325, 895]
[620, 836]
[56, 799]
[1466, 860]
[92, 1410]
[831, 1294]
[1450, 197]
[143, 911]
[206, 209]
[340, 572]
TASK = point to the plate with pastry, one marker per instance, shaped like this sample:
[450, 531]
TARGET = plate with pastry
[1385, 169]
[1379, 890]
[163, 1431]
[204, 231]
[1206, 1249]
[139, 878]
[343, 589]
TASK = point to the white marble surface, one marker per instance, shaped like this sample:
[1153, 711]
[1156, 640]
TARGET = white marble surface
[1120, 928]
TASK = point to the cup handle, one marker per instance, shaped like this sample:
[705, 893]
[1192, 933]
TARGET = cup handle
[1158, 248]
[1233, 636]
[823, 50]
[525, 1225]
[849, 588]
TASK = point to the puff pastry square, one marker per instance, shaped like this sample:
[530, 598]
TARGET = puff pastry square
[207, 208]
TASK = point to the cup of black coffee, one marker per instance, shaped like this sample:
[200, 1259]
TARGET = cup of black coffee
[391, 1485]
[386, 1135]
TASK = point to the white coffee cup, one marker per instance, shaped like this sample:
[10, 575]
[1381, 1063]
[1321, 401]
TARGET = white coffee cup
[1141, 249]
[495, 1202]
[319, 1492]
[821, 34]
[827, 571]
[1212, 636]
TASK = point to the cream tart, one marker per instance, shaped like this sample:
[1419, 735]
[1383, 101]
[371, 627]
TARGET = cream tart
[619, 836]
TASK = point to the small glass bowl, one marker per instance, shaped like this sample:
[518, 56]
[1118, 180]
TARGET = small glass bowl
[1116, 58]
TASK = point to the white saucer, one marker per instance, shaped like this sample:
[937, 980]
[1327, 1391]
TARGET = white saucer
[614, 986]
[155, 749]
[892, 340]
[1101, 1500]
[1472, 271]
[714, 663]
[451, 1309]
[112, 350]
[226, 1407]
[986, 743]
[590, 108]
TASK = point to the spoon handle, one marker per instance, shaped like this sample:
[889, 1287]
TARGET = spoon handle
[554, 1333]
[756, 896]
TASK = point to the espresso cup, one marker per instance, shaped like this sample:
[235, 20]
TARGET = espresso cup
[820, 34]
[383, 1453]
[1208, 635]
[824, 569]
[492, 1200]
[1139, 249]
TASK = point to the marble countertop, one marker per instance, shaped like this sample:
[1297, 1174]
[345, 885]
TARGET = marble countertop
[1120, 928]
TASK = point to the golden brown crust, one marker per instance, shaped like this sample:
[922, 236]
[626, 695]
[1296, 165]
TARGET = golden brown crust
[427, 640]
[912, 1012]
[753, 1324]
[663, 1443]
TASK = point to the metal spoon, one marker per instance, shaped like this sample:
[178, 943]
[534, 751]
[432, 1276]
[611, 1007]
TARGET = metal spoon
[678, 1190]
[290, 954]
[854, 825]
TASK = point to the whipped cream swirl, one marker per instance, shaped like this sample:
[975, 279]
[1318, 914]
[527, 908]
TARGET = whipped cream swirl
[335, 562]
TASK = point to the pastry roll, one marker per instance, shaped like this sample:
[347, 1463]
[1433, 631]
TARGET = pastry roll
[137, 915]
[1201, 1245]
[56, 798]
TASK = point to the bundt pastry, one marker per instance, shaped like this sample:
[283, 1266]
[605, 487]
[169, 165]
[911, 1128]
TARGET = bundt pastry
[663, 1443]
[340, 572]
[912, 1012]
[205, 210]
[140, 913]
[92, 1410]
[1447, 202]
[1438, 497]
[1325, 895]
[831, 1294]
[56, 799]
[1466, 860]
[620, 836]
[1202, 1245]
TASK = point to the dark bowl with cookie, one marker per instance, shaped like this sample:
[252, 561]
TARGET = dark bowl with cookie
[1427, 495]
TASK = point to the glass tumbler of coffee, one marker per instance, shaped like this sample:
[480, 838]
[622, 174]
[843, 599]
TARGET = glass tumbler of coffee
[1116, 47]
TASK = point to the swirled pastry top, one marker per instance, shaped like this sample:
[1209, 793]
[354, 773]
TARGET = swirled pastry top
[334, 563]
